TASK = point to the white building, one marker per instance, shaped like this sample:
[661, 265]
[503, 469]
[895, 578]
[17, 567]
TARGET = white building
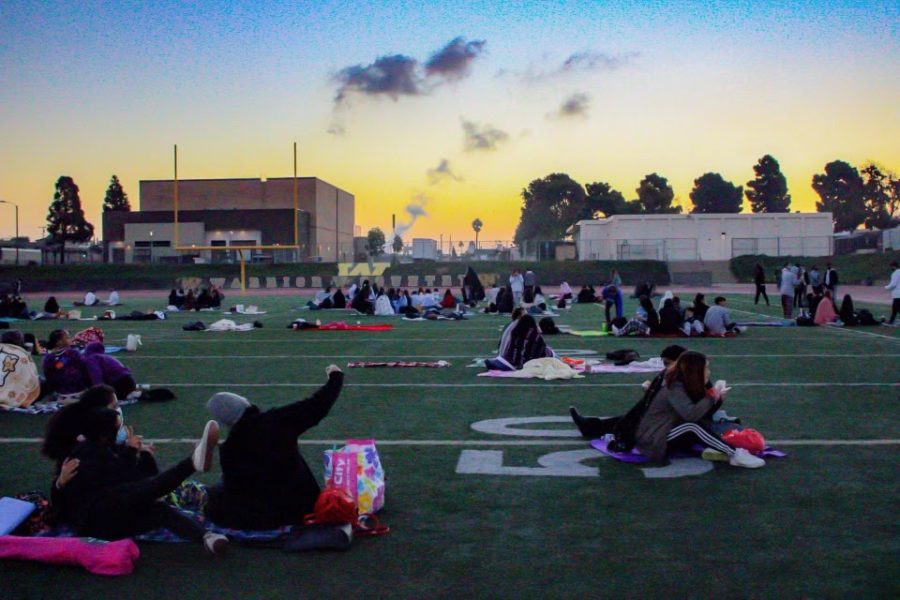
[424, 248]
[710, 237]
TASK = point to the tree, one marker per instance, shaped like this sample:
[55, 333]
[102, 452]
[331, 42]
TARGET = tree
[116, 199]
[880, 197]
[477, 225]
[712, 194]
[841, 191]
[65, 219]
[603, 199]
[397, 244]
[655, 196]
[375, 242]
[550, 206]
[768, 192]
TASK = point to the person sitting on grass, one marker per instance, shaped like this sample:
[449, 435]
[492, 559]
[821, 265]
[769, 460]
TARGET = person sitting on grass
[383, 305]
[113, 300]
[717, 320]
[113, 493]
[623, 428]
[64, 367]
[503, 345]
[361, 302]
[265, 481]
[525, 343]
[648, 314]
[586, 295]
[675, 418]
[322, 300]
[670, 320]
[824, 311]
[90, 299]
[565, 291]
[699, 306]
[449, 300]
[51, 308]
[692, 326]
[505, 300]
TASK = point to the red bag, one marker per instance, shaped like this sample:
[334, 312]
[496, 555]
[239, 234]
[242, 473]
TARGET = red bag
[748, 439]
[88, 336]
[336, 507]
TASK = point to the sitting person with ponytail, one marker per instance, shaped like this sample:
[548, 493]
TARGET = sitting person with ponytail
[676, 416]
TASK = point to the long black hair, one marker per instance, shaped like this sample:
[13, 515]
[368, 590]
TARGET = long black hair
[65, 426]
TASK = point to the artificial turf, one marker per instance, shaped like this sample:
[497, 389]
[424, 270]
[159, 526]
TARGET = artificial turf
[820, 523]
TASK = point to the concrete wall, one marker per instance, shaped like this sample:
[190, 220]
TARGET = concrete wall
[704, 237]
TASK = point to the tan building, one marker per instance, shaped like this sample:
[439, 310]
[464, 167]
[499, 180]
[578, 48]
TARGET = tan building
[232, 213]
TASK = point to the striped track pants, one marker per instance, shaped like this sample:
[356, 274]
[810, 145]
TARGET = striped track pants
[705, 437]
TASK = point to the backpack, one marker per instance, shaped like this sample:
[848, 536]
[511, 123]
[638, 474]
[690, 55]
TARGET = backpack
[623, 357]
[625, 428]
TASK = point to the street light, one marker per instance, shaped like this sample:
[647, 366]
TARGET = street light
[17, 227]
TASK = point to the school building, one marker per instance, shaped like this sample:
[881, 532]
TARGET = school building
[230, 213]
[704, 237]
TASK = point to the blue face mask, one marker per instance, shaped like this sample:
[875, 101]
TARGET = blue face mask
[122, 434]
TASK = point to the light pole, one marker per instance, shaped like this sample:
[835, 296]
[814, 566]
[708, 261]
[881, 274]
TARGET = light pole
[17, 227]
[151, 247]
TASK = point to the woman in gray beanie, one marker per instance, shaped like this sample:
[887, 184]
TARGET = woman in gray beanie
[265, 481]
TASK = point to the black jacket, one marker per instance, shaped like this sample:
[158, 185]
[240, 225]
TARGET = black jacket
[265, 481]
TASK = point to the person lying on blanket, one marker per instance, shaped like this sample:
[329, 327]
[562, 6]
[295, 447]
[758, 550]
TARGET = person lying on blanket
[112, 492]
[525, 343]
[265, 481]
[677, 415]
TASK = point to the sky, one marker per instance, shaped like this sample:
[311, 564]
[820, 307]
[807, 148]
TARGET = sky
[451, 106]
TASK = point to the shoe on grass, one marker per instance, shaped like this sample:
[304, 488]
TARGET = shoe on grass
[714, 455]
[203, 453]
[215, 543]
[742, 458]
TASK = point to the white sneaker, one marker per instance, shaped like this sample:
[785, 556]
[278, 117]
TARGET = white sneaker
[742, 458]
[203, 453]
[215, 543]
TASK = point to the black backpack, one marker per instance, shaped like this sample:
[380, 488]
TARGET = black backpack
[625, 429]
[623, 357]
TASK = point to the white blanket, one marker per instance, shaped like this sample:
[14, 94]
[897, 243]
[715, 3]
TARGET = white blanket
[229, 325]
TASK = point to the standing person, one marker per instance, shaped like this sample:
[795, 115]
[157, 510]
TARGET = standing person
[894, 287]
[529, 281]
[799, 285]
[759, 278]
[265, 481]
[612, 296]
[831, 279]
[815, 280]
[517, 284]
[788, 282]
[616, 280]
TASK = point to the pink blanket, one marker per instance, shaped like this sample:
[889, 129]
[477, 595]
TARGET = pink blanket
[400, 363]
[97, 556]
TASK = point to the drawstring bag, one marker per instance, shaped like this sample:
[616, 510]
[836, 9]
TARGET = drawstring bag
[356, 468]
[336, 507]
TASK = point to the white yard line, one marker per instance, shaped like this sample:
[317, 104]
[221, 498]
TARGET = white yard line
[545, 442]
[466, 356]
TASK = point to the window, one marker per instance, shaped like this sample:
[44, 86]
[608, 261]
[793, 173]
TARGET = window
[162, 244]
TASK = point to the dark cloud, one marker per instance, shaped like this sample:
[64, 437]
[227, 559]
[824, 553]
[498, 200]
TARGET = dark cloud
[442, 172]
[575, 106]
[579, 62]
[481, 137]
[453, 60]
[336, 129]
[415, 210]
[391, 76]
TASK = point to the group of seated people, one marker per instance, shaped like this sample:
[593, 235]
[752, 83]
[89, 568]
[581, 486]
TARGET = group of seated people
[196, 299]
[671, 318]
[373, 300]
[502, 300]
[677, 411]
[107, 483]
[13, 307]
[822, 310]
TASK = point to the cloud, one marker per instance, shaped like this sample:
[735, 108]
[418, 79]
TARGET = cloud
[401, 75]
[575, 106]
[336, 129]
[481, 137]
[391, 76]
[442, 172]
[453, 60]
[580, 62]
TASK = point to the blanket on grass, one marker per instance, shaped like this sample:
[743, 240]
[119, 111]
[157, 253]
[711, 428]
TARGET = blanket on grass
[635, 457]
[783, 323]
[398, 364]
[653, 365]
[51, 406]
[342, 326]
[589, 333]
[539, 368]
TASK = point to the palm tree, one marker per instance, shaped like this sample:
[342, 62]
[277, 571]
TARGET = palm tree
[477, 225]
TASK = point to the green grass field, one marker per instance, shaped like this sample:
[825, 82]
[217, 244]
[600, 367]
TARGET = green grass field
[821, 523]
